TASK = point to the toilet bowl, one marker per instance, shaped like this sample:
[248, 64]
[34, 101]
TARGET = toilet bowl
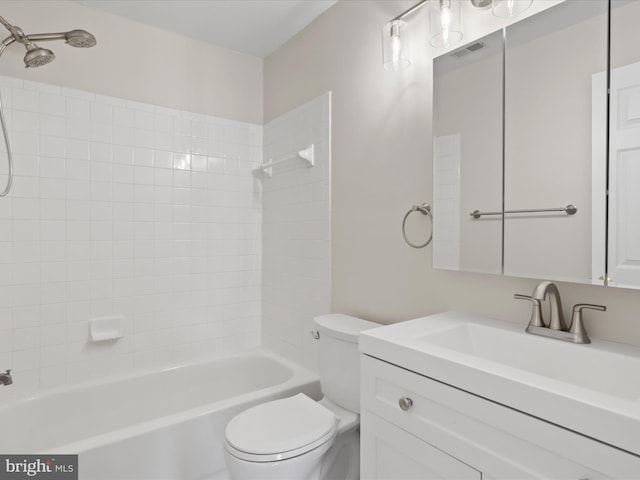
[281, 439]
[297, 438]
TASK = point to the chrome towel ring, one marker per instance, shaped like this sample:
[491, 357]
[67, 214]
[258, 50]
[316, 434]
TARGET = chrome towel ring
[425, 209]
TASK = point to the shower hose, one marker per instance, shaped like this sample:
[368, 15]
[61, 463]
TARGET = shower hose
[5, 134]
[9, 155]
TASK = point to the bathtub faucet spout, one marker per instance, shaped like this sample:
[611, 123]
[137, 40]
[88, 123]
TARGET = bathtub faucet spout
[5, 378]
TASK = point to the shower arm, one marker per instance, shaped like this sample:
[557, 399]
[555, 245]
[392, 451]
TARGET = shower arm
[7, 25]
[46, 37]
[18, 35]
[15, 31]
[36, 37]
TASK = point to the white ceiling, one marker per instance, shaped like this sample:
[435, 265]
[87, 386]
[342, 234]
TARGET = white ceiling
[255, 27]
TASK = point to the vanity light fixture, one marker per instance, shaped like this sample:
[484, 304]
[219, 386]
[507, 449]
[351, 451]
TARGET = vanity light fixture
[446, 30]
[395, 51]
[445, 22]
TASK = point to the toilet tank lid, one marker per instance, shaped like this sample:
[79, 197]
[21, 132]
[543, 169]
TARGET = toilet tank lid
[344, 327]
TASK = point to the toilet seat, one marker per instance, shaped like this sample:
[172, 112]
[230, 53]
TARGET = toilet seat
[280, 429]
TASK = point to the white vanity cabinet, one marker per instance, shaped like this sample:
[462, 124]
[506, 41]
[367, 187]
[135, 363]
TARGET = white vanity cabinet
[391, 453]
[447, 433]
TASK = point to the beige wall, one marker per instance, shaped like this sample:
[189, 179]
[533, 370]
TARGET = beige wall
[137, 62]
[381, 153]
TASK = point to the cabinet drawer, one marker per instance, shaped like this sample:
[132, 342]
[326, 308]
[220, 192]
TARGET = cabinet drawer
[500, 442]
[390, 453]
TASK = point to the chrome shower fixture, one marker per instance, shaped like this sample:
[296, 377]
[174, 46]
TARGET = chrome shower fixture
[35, 57]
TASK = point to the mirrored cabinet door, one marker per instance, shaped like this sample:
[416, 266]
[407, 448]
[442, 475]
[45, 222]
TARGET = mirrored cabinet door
[569, 155]
[554, 156]
[624, 146]
[467, 160]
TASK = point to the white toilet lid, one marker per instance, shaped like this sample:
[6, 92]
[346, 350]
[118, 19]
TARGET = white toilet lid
[281, 426]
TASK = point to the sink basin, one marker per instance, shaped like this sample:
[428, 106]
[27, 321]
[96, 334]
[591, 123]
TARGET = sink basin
[591, 389]
[591, 368]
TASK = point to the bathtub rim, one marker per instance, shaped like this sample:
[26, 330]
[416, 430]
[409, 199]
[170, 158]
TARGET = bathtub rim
[71, 387]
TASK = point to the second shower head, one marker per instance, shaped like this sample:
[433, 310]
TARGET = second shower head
[80, 39]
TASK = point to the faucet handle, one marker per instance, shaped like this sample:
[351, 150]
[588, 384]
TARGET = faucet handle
[589, 306]
[577, 326]
[536, 314]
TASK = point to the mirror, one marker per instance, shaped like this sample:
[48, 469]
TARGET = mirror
[554, 157]
[467, 156]
[550, 62]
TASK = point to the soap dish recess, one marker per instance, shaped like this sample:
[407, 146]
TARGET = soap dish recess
[106, 328]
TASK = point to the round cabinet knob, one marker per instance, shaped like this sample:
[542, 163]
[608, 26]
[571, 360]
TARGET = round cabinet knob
[405, 403]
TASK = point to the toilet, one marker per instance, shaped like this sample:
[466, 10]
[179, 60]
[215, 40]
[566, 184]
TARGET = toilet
[297, 438]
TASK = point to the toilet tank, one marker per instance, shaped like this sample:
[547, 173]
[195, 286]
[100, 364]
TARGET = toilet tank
[339, 358]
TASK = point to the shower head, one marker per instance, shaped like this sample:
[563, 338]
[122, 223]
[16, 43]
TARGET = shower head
[37, 57]
[80, 38]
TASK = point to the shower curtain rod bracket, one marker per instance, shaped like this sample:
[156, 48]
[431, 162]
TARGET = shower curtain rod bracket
[306, 154]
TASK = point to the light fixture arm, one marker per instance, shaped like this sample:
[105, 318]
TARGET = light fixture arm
[409, 11]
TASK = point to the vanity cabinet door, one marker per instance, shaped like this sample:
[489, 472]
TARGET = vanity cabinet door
[500, 442]
[390, 453]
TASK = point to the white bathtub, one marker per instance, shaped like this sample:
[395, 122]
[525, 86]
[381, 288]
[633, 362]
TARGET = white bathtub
[167, 424]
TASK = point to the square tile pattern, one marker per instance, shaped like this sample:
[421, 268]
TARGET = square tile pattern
[296, 231]
[126, 208]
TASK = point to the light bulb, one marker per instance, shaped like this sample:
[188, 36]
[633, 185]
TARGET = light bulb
[509, 8]
[394, 45]
[445, 23]
[445, 20]
[396, 48]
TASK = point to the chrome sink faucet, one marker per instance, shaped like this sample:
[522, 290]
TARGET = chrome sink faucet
[540, 293]
[556, 328]
[5, 378]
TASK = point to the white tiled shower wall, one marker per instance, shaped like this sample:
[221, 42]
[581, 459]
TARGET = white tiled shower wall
[296, 231]
[124, 208]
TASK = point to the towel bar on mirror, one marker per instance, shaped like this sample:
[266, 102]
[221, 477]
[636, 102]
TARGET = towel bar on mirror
[569, 210]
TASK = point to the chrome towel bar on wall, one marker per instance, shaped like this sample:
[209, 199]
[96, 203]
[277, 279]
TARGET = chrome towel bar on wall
[425, 209]
[569, 210]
